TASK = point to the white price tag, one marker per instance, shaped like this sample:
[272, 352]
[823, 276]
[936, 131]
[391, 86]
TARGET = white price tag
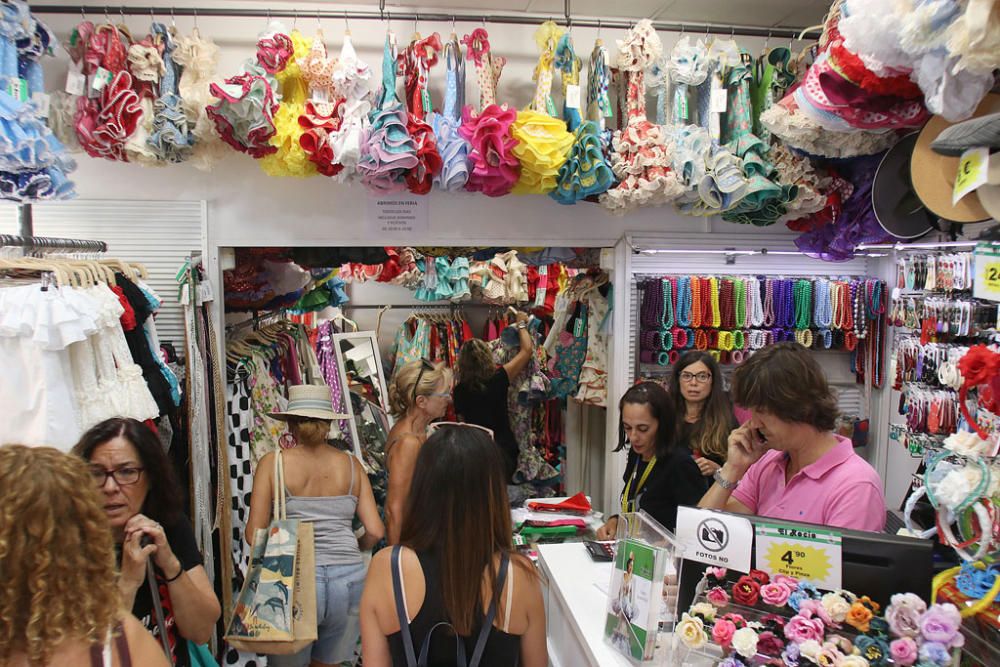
[14, 88]
[572, 96]
[76, 83]
[973, 171]
[320, 96]
[718, 101]
[205, 292]
[100, 79]
[42, 102]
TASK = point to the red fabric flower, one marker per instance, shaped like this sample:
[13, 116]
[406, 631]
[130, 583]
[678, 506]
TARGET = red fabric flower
[760, 576]
[979, 366]
[746, 591]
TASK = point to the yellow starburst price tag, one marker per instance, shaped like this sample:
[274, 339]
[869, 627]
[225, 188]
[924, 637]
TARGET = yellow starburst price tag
[803, 552]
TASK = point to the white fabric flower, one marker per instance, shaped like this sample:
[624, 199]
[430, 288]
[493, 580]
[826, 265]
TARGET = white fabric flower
[836, 606]
[691, 630]
[810, 649]
[745, 642]
[705, 609]
[852, 661]
[967, 443]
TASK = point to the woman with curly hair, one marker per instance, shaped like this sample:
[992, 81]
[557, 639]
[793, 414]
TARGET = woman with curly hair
[58, 601]
[481, 393]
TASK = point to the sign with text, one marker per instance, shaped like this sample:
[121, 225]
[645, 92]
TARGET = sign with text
[398, 214]
[720, 540]
[986, 264]
[811, 554]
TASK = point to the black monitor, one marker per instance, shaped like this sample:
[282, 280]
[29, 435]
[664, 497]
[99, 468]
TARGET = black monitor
[874, 564]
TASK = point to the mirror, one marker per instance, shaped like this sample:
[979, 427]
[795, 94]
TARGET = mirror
[361, 373]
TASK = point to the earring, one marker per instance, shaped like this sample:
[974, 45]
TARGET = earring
[287, 440]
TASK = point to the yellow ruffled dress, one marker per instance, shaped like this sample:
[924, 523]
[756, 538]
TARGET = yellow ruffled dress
[544, 142]
[290, 159]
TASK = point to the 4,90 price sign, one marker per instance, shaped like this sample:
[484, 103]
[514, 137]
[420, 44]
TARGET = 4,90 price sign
[804, 553]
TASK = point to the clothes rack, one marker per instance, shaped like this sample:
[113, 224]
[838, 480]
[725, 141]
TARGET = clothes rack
[36, 243]
[383, 14]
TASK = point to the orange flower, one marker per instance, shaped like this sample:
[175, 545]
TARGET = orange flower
[859, 616]
[871, 604]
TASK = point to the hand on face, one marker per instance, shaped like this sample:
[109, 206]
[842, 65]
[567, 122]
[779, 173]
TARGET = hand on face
[745, 447]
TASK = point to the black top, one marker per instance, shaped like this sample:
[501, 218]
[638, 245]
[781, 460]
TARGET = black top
[674, 480]
[502, 649]
[182, 541]
[687, 430]
[487, 406]
[138, 346]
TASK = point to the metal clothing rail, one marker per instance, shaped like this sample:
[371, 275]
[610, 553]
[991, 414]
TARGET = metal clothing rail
[419, 306]
[51, 243]
[383, 14]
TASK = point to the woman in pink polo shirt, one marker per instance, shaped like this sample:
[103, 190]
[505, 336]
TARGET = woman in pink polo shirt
[786, 462]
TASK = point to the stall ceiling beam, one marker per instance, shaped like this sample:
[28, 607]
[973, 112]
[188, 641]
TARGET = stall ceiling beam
[430, 17]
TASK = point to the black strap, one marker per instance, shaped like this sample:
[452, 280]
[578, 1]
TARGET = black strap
[460, 656]
[161, 623]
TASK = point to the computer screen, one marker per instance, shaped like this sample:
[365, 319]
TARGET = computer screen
[874, 564]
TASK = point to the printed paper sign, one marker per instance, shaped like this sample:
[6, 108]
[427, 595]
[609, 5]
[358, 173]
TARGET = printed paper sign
[972, 172]
[986, 262]
[572, 96]
[721, 540]
[810, 554]
[398, 215]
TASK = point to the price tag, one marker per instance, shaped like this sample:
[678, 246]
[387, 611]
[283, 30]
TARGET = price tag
[572, 96]
[100, 79]
[972, 172]
[718, 101]
[42, 103]
[320, 96]
[806, 553]
[550, 107]
[76, 82]
[425, 99]
[986, 262]
[18, 89]
[682, 107]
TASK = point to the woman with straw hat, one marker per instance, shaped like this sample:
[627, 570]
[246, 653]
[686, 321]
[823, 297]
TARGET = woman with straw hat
[327, 487]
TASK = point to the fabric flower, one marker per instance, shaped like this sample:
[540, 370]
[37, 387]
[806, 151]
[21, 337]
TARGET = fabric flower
[878, 627]
[770, 644]
[718, 596]
[722, 632]
[829, 655]
[810, 608]
[809, 649]
[791, 582]
[772, 621]
[760, 576]
[871, 604]
[941, 624]
[903, 614]
[859, 616]
[704, 610]
[873, 649]
[736, 620]
[745, 642]
[801, 629]
[935, 653]
[903, 651]
[717, 572]
[746, 591]
[808, 587]
[796, 599]
[835, 606]
[775, 594]
[851, 661]
[691, 630]
[732, 661]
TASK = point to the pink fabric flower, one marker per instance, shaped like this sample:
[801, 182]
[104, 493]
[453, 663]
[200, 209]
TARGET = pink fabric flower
[784, 579]
[722, 632]
[718, 596]
[718, 572]
[903, 614]
[903, 651]
[941, 624]
[770, 644]
[801, 629]
[775, 594]
[814, 608]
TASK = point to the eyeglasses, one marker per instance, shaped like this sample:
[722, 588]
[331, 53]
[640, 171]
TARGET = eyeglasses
[425, 365]
[440, 394]
[436, 425]
[122, 476]
[691, 377]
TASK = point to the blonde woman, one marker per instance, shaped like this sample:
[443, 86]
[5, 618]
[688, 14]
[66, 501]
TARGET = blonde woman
[59, 603]
[420, 392]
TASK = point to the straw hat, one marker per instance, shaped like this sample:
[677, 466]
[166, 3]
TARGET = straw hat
[933, 175]
[896, 206]
[309, 401]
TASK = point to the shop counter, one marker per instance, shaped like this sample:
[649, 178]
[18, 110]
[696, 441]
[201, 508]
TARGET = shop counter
[576, 601]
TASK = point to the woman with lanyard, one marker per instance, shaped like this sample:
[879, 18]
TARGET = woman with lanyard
[660, 475]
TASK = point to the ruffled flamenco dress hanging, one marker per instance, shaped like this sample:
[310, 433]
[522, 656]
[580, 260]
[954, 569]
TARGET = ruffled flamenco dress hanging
[495, 168]
[452, 147]
[197, 58]
[33, 163]
[585, 172]
[387, 150]
[170, 139]
[416, 62]
[543, 142]
[351, 76]
[145, 64]
[642, 149]
[289, 159]
[247, 103]
[321, 113]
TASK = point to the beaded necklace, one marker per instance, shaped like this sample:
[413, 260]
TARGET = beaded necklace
[803, 307]
[667, 317]
[707, 314]
[788, 304]
[755, 309]
[696, 302]
[683, 314]
[823, 309]
[768, 319]
[652, 304]
[726, 315]
[740, 307]
[713, 285]
[858, 299]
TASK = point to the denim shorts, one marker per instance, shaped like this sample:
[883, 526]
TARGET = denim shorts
[338, 597]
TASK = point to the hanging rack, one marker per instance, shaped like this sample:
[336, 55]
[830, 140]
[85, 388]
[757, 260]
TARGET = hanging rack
[509, 19]
[36, 243]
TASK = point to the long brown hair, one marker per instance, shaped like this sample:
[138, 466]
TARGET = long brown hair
[475, 364]
[458, 508]
[56, 555]
[710, 434]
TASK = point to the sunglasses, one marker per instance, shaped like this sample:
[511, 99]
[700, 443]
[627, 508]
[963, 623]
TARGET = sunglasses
[436, 425]
[425, 365]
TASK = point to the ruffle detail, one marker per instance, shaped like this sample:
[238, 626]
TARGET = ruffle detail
[495, 168]
[145, 63]
[543, 144]
[104, 125]
[198, 58]
[244, 113]
[785, 121]
[351, 78]
[318, 69]
[975, 38]
[290, 159]
[454, 151]
[169, 138]
[640, 48]
[389, 152]
[319, 121]
[420, 179]
[585, 172]
[641, 162]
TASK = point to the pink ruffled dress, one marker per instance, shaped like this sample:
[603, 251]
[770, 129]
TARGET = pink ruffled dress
[416, 62]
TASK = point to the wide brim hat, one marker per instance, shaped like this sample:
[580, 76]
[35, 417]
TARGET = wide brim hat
[897, 208]
[308, 401]
[934, 175]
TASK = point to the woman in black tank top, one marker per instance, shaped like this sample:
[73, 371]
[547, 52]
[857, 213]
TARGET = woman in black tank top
[481, 604]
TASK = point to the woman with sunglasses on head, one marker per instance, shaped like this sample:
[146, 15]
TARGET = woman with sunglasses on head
[143, 506]
[455, 566]
[706, 415]
[328, 487]
[419, 393]
[661, 474]
[481, 392]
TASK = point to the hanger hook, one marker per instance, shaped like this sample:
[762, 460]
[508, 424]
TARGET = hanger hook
[83, 13]
[295, 18]
[347, 24]
[416, 21]
[706, 30]
[767, 40]
[173, 19]
[598, 28]
[453, 28]
[195, 17]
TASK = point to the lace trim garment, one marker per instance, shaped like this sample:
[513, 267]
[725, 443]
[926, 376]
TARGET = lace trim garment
[289, 158]
[321, 114]
[351, 77]
[453, 148]
[416, 62]
[197, 58]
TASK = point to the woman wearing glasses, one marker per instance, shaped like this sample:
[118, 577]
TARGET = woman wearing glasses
[660, 474]
[141, 499]
[702, 402]
[419, 393]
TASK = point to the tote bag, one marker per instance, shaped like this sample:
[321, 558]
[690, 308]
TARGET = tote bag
[276, 609]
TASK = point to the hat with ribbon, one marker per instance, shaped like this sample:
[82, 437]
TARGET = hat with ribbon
[308, 401]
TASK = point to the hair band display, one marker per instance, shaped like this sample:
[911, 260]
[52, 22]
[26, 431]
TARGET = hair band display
[713, 339]
[680, 338]
[666, 341]
[739, 340]
[674, 357]
[737, 356]
[701, 339]
[827, 336]
[724, 356]
[663, 359]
